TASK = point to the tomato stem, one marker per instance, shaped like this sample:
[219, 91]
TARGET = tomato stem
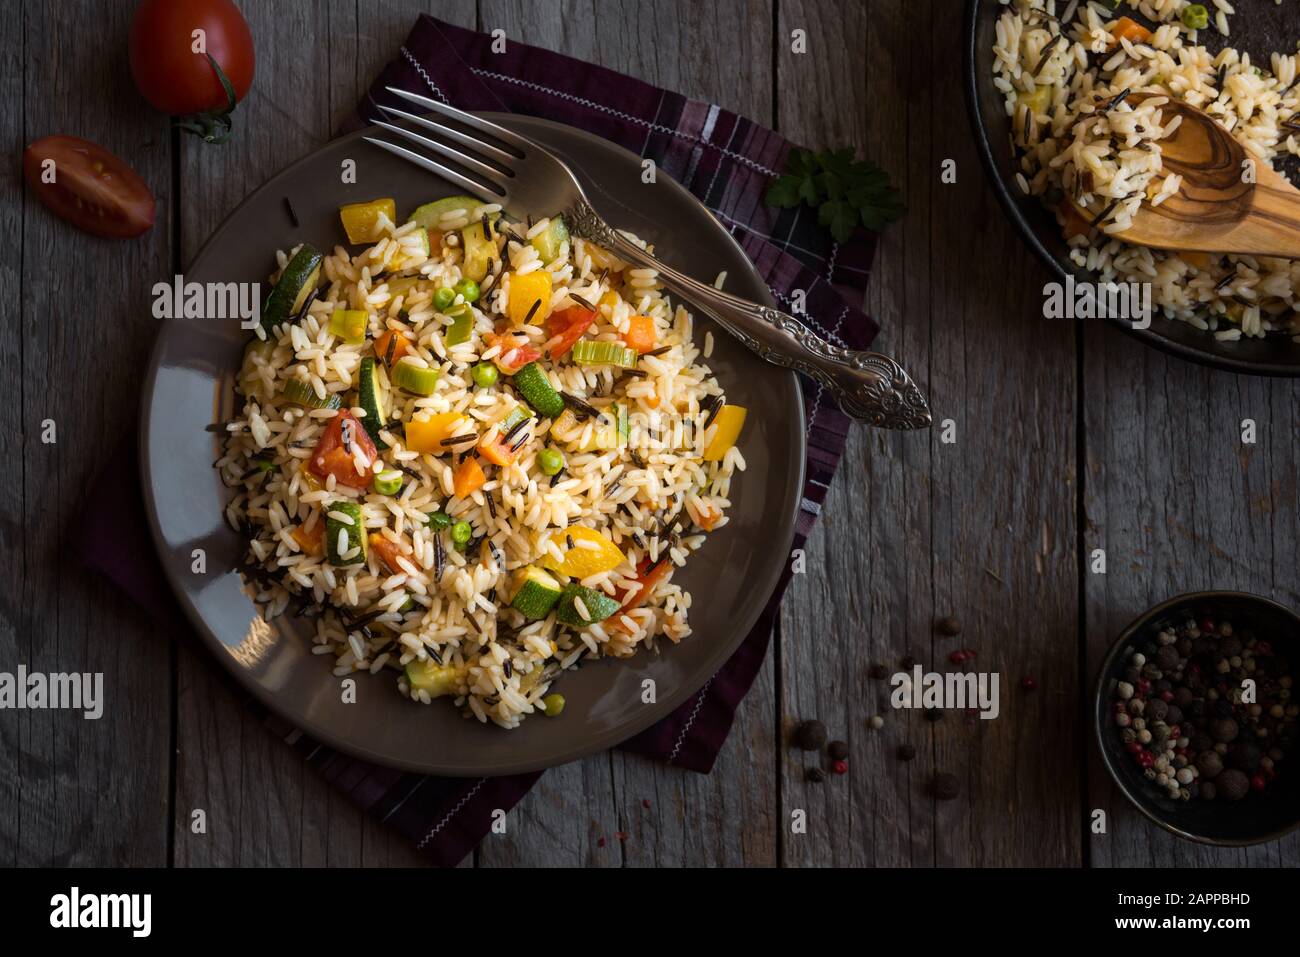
[213, 126]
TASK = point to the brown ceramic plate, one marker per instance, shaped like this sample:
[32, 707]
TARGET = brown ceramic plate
[190, 384]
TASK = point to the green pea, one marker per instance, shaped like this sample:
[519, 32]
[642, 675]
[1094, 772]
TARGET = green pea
[1195, 16]
[387, 483]
[485, 375]
[552, 705]
[439, 520]
[467, 288]
[550, 461]
[461, 533]
[443, 298]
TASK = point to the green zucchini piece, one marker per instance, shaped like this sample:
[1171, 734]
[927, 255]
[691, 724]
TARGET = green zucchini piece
[551, 240]
[430, 214]
[462, 324]
[611, 431]
[418, 379]
[514, 417]
[428, 675]
[599, 605]
[402, 285]
[298, 279]
[368, 398]
[480, 250]
[300, 393]
[355, 534]
[589, 352]
[536, 389]
[536, 593]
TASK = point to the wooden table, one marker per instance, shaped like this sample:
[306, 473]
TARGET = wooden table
[1069, 438]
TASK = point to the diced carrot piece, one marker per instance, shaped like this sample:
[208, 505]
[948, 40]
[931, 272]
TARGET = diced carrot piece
[1129, 29]
[310, 540]
[387, 550]
[497, 452]
[469, 478]
[709, 517]
[648, 576]
[394, 340]
[640, 333]
[652, 401]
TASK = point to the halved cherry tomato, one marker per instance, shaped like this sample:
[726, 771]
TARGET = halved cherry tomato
[511, 358]
[334, 452]
[88, 186]
[388, 551]
[640, 333]
[565, 328]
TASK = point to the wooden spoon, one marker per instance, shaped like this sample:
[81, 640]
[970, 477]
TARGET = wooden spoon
[1215, 210]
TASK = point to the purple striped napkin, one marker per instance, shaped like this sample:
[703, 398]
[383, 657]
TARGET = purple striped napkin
[726, 161]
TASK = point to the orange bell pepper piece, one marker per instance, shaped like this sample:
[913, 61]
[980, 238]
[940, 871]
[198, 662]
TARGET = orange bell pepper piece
[468, 478]
[394, 341]
[310, 540]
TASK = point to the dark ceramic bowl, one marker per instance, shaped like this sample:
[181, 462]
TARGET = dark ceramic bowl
[1259, 27]
[190, 385]
[1258, 817]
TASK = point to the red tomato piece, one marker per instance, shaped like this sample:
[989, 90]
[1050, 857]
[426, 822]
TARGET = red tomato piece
[88, 186]
[565, 328]
[334, 452]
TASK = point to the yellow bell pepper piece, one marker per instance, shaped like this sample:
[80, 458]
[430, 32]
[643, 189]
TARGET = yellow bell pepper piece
[524, 291]
[583, 560]
[427, 435]
[726, 429]
[361, 220]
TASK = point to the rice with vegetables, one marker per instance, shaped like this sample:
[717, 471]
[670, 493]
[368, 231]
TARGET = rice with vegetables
[474, 453]
[1068, 69]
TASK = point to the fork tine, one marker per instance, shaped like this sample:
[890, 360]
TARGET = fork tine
[490, 173]
[469, 119]
[473, 186]
[456, 136]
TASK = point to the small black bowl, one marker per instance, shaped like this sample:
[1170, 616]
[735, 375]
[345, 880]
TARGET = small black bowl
[1258, 817]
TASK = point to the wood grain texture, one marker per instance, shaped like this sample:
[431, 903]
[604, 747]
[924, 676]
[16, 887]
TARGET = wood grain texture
[914, 528]
[1180, 503]
[719, 52]
[76, 791]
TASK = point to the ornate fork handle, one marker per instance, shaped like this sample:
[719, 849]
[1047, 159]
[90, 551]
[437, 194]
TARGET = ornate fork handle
[870, 387]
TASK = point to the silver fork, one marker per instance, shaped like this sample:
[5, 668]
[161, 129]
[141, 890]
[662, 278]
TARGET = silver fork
[500, 166]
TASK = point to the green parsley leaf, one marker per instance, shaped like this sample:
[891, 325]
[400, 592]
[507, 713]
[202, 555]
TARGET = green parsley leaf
[844, 191]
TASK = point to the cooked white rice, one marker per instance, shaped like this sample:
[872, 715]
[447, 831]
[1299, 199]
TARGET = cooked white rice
[1059, 81]
[653, 497]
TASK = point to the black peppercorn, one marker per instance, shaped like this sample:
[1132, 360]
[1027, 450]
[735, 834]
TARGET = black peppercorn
[1209, 764]
[1230, 646]
[878, 672]
[1132, 674]
[1244, 756]
[810, 736]
[945, 786]
[905, 752]
[1183, 697]
[1223, 708]
[1167, 658]
[948, 625]
[1173, 714]
[1208, 791]
[1201, 742]
[1156, 710]
[1196, 708]
[815, 775]
[838, 750]
[1232, 784]
[1223, 730]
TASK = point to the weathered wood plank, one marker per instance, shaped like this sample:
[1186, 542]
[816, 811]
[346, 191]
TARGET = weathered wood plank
[264, 805]
[719, 52]
[915, 528]
[75, 791]
[1179, 504]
